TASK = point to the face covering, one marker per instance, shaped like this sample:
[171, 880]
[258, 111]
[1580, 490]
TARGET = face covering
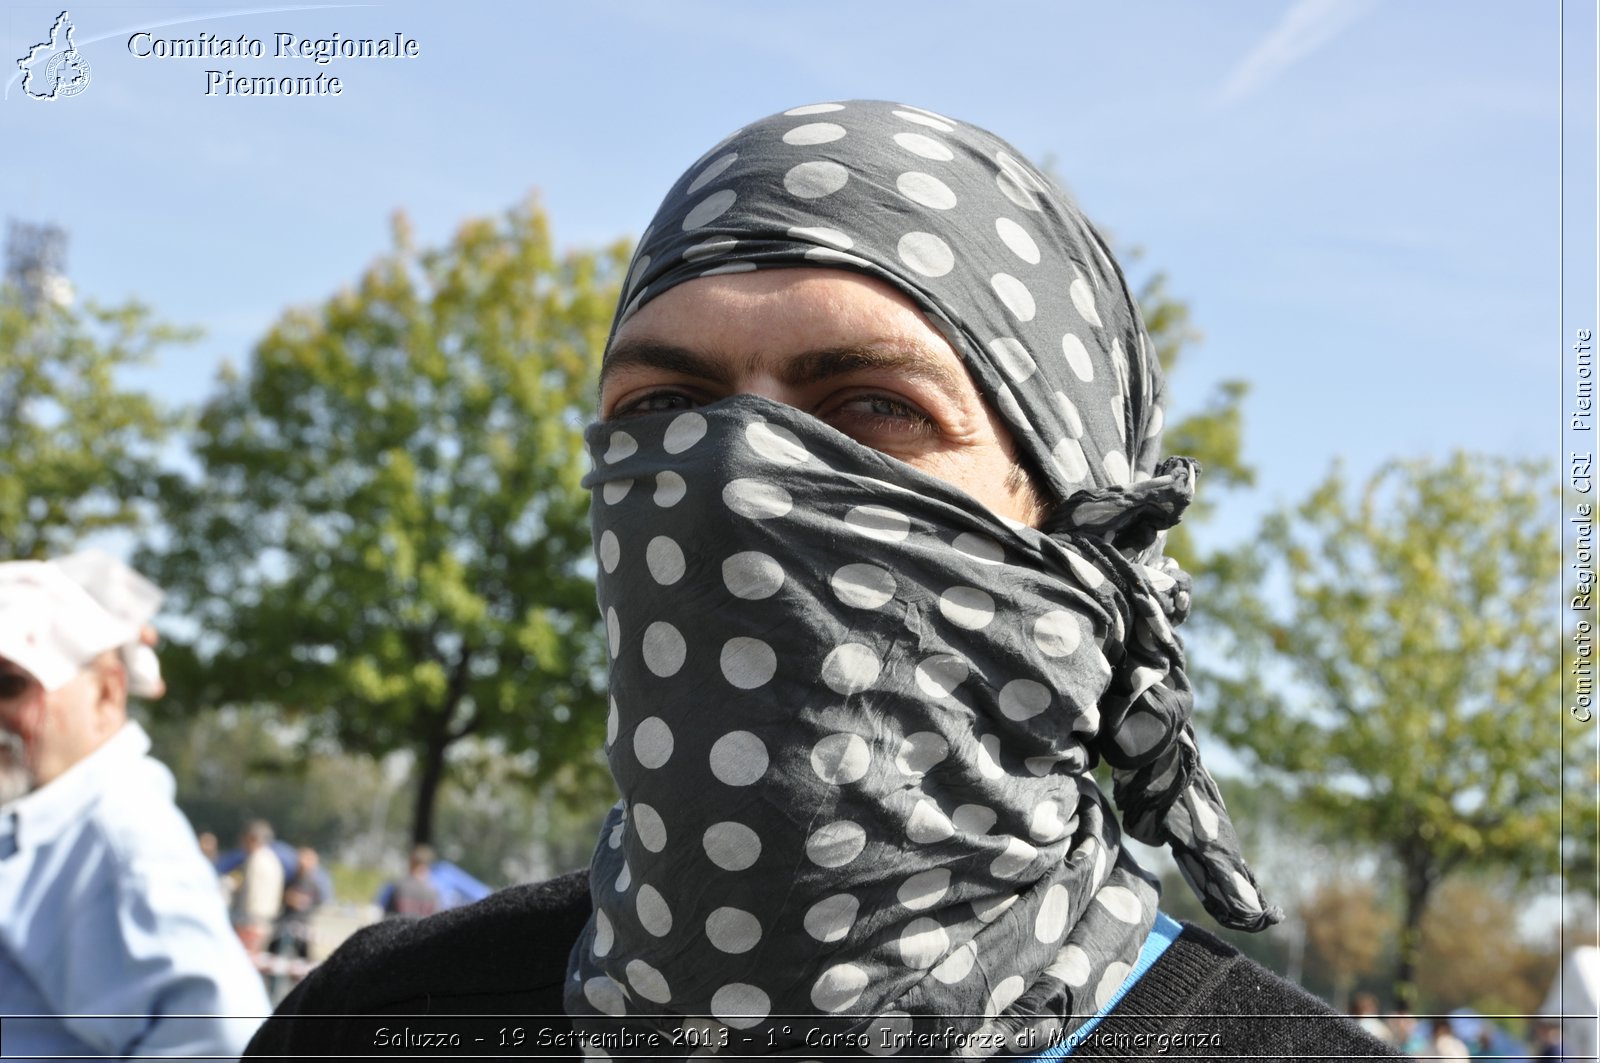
[853, 711]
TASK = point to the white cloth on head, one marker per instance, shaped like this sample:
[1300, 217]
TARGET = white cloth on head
[51, 626]
[130, 598]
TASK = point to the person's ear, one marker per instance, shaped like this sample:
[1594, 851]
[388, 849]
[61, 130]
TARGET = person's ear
[111, 692]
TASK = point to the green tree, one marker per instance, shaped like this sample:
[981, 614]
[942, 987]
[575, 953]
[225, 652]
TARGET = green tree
[78, 447]
[388, 539]
[1395, 672]
[1580, 838]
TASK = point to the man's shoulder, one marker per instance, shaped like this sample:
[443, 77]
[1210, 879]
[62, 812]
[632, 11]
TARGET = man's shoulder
[121, 822]
[136, 818]
[1203, 998]
[506, 954]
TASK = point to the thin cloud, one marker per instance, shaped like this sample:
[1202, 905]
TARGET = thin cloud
[1304, 28]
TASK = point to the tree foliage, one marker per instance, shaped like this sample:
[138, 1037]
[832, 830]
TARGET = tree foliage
[1395, 670]
[1472, 955]
[78, 447]
[1581, 826]
[1346, 927]
[388, 538]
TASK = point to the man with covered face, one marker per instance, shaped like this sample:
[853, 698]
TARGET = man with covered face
[113, 938]
[879, 510]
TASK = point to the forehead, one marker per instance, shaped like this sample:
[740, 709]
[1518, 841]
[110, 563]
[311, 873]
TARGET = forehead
[780, 312]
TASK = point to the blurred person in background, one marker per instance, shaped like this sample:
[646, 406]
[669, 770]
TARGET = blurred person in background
[211, 850]
[113, 940]
[258, 900]
[1547, 1039]
[1364, 1009]
[1410, 1036]
[307, 890]
[1444, 1045]
[415, 895]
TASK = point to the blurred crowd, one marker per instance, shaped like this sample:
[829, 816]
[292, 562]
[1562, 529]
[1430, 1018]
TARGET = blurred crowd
[274, 892]
[1461, 1035]
[271, 890]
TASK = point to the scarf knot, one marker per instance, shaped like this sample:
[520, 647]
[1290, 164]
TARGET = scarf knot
[1165, 796]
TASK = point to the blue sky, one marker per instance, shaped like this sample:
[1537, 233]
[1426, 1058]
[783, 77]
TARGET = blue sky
[1359, 199]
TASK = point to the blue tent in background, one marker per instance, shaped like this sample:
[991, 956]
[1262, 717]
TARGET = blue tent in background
[455, 886]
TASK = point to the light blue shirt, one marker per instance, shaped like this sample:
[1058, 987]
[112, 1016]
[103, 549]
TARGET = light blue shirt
[112, 927]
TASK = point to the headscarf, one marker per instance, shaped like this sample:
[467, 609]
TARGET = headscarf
[853, 711]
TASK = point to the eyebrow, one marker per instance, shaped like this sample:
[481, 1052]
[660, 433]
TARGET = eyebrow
[806, 367]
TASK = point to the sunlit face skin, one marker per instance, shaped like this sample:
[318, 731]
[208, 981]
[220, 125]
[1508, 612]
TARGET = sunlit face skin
[60, 727]
[844, 348]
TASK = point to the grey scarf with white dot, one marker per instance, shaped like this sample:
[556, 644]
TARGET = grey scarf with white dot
[853, 711]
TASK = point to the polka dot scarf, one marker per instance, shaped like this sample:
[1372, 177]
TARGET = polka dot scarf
[854, 712]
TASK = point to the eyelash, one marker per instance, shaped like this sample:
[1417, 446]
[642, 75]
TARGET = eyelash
[907, 417]
[904, 418]
[638, 406]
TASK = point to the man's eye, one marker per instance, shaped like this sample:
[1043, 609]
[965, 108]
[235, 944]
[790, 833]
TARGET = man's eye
[656, 402]
[890, 408]
[13, 686]
[884, 413]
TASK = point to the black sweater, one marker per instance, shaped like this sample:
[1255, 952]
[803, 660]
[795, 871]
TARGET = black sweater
[486, 980]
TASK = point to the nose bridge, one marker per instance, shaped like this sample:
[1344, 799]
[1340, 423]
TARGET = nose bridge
[759, 379]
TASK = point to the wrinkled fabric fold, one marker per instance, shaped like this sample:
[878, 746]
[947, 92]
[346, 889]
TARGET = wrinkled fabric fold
[1166, 797]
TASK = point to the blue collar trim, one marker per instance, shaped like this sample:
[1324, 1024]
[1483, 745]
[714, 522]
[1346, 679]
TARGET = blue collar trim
[1162, 934]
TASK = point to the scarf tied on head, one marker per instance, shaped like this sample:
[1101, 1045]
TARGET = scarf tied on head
[853, 712]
